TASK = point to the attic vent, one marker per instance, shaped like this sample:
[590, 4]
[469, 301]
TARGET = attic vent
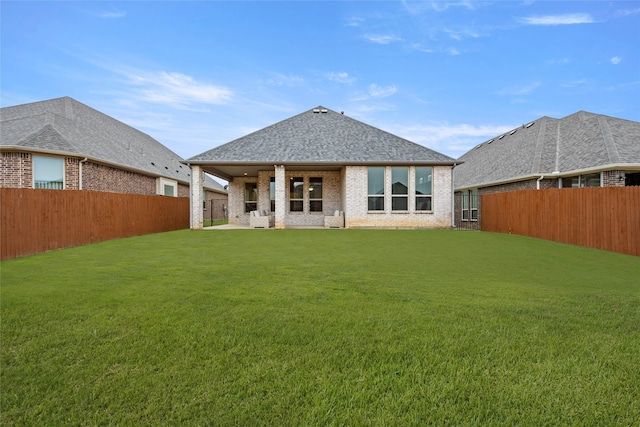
[501, 136]
[490, 141]
[513, 131]
[316, 110]
[153, 164]
[478, 146]
[324, 110]
[530, 124]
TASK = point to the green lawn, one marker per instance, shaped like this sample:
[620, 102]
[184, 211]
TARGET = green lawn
[321, 327]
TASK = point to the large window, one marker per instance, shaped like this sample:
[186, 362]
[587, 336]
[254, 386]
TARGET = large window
[315, 194]
[470, 205]
[250, 196]
[590, 180]
[48, 172]
[399, 189]
[424, 187]
[296, 194]
[167, 187]
[376, 189]
[272, 193]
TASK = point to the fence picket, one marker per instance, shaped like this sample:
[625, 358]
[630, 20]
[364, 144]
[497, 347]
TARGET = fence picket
[605, 218]
[34, 221]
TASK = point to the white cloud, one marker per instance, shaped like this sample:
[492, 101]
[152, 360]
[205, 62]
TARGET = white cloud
[575, 83]
[568, 19]
[382, 38]
[462, 34]
[354, 22]
[453, 51]
[284, 80]
[376, 91]
[178, 89]
[452, 140]
[627, 12]
[616, 60]
[519, 90]
[341, 77]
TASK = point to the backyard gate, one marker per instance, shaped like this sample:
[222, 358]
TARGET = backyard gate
[215, 212]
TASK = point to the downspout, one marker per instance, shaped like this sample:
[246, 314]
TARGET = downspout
[80, 173]
[538, 182]
[453, 199]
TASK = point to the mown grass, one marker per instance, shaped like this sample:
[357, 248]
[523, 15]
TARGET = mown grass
[321, 327]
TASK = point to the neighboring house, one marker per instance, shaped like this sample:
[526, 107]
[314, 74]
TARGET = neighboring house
[580, 150]
[318, 162]
[64, 144]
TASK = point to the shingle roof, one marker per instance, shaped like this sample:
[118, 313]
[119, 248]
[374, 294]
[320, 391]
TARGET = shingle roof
[321, 135]
[67, 127]
[578, 142]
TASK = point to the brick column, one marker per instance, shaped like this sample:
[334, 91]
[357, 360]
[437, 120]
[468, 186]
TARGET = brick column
[196, 197]
[281, 191]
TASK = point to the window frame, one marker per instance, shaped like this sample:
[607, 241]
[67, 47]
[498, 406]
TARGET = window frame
[397, 196]
[428, 197]
[470, 205]
[295, 183]
[47, 184]
[314, 201]
[378, 197]
[272, 193]
[249, 203]
[163, 183]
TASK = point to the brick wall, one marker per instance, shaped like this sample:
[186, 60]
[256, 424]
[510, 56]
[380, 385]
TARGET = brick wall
[98, 177]
[356, 210]
[612, 178]
[16, 170]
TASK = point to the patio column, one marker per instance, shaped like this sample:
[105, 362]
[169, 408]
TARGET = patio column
[195, 197]
[281, 191]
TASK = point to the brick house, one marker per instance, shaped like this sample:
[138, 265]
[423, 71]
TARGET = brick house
[311, 165]
[64, 144]
[580, 150]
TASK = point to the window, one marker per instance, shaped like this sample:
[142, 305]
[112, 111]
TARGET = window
[399, 189]
[376, 188]
[590, 180]
[250, 196]
[424, 181]
[473, 204]
[272, 193]
[315, 194]
[48, 172]
[470, 205]
[166, 187]
[296, 194]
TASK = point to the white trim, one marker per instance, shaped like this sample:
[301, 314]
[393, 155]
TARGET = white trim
[161, 182]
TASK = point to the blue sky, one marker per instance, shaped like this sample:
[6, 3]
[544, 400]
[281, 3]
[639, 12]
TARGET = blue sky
[445, 74]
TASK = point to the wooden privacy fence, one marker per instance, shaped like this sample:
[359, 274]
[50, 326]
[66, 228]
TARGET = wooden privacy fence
[34, 221]
[603, 218]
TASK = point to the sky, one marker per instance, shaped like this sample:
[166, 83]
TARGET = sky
[444, 74]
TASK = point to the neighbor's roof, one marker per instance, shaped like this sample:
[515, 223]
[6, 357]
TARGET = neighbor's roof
[574, 144]
[64, 126]
[320, 136]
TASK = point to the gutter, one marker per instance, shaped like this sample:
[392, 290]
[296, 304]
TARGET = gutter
[453, 199]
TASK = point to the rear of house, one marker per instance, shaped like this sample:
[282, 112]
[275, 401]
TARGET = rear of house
[322, 163]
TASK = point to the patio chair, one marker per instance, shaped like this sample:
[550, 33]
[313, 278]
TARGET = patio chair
[261, 219]
[334, 221]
